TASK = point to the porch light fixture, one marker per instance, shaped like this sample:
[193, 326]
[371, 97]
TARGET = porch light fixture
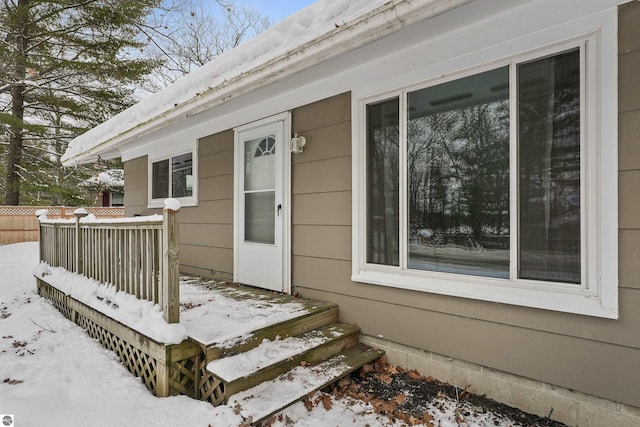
[297, 143]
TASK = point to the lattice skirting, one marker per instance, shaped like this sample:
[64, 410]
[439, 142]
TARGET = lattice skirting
[164, 369]
[211, 388]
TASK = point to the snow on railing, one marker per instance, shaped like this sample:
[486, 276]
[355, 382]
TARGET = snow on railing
[137, 255]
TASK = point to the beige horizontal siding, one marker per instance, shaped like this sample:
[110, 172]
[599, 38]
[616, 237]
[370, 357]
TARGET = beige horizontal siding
[322, 176]
[629, 256]
[206, 261]
[322, 208]
[628, 94]
[216, 187]
[206, 231]
[629, 203]
[324, 241]
[135, 187]
[212, 235]
[320, 116]
[629, 130]
[216, 144]
[629, 166]
[209, 212]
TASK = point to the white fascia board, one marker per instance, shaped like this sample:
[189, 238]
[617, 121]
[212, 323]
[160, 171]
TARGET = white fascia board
[372, 26]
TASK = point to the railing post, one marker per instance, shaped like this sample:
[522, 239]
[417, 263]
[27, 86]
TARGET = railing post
[41, 213]
[79, 261]
[171, 265]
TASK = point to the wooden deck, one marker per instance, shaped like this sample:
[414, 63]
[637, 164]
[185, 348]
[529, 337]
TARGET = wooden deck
[267, 335]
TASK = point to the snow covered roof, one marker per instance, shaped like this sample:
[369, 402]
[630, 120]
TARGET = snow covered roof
[315, 34]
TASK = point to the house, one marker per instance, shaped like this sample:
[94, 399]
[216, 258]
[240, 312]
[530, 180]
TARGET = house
[508, 130]
[106, 188]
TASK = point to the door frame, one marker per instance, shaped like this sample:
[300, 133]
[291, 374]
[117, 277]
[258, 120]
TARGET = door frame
[285, 188]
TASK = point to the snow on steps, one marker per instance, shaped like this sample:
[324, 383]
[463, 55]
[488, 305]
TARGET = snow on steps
[301, 354]
[270, 397]
[318, 314]
[275, 357]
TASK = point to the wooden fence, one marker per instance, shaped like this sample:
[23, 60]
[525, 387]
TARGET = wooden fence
[138, 256]
[19, 223]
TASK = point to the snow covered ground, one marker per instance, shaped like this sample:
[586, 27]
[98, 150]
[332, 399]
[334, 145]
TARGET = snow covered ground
[53, 374]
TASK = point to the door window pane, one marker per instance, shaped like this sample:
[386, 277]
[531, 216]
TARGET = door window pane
[182, 175]
[259, 186]
[259, 164]
[549, 166]
[383, 183]
[259, 219]
[160, 180]
[458, 176]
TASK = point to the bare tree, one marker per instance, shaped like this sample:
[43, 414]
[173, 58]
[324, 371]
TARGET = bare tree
[196, 35]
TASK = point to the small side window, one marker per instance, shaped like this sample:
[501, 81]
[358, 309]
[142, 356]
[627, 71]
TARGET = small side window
[172, 177]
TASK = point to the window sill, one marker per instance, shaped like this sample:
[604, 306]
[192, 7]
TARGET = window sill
[562, 298]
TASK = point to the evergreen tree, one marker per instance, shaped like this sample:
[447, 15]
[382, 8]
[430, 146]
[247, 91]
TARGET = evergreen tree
[65, 66]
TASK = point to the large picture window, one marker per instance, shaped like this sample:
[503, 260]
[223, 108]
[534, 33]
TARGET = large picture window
[457, 161]
[481, 182]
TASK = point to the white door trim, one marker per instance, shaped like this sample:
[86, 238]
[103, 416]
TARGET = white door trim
[286, 196]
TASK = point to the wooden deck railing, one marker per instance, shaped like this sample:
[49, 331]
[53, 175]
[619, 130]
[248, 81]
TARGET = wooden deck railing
[138, 256]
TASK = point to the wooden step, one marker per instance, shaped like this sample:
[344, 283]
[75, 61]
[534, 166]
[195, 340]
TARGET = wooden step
[274, 357]
[318, 314]
[268, 398]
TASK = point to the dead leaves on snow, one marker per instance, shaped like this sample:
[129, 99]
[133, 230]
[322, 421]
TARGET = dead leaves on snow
[390, 407]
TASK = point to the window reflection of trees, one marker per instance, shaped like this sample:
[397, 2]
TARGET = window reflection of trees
[458, 189]
[549, 167]
[383, 183]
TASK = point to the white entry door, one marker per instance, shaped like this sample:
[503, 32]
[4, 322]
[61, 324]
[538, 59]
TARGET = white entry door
[261, 180]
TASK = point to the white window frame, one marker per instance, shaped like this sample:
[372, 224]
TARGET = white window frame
[184, 201]
[597, 295]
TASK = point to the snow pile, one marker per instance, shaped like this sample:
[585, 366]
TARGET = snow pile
[172, 204]
[140, 315]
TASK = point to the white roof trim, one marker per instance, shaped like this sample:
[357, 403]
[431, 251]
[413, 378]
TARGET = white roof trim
[230, 76]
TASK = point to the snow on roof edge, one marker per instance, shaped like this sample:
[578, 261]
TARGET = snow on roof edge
[258, 62]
